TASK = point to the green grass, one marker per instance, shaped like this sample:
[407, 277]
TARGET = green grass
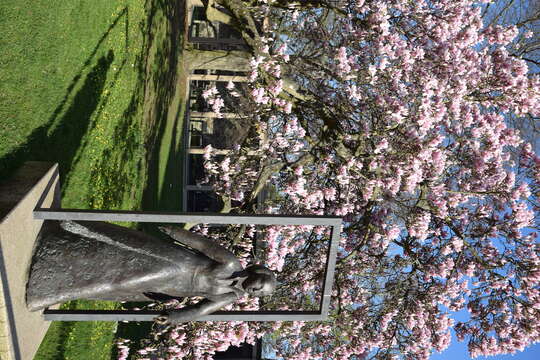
[98, 87]
[163, 187]
[163, 190]
[80, 340]
[71, 91]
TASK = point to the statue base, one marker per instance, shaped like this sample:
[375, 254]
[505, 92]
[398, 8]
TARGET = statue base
[21, 331]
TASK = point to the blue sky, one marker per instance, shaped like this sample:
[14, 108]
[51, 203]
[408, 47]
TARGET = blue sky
[458, 351]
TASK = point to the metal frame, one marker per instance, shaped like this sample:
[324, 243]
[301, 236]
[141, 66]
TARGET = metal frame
[207, 218]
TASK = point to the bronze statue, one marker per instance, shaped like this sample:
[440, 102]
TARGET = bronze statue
[102, 261]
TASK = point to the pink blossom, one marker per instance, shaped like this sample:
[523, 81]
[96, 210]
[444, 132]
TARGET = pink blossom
[403, 131]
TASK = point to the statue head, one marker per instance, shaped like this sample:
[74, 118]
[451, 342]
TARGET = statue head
[260, 281]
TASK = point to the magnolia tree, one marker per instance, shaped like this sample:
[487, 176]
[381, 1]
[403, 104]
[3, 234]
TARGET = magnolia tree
[393, 115]
[526, 17]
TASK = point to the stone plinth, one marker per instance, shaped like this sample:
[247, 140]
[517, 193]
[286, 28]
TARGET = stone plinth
[21, 331]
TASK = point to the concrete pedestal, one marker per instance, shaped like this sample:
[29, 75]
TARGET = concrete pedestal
[21, 331]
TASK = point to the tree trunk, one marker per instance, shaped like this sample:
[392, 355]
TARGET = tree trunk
[217, 60]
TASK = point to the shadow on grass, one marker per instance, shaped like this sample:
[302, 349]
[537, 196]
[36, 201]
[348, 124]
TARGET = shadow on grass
[159, 77]
[115, 164]
[163, 86]
[56, 350]
[60, 143]
[163, 42]
[49, 141]
[168, 196]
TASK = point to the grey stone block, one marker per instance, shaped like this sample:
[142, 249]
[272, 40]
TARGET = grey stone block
[21, 331]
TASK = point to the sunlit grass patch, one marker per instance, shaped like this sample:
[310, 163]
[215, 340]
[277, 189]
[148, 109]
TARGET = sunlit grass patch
[80, 340]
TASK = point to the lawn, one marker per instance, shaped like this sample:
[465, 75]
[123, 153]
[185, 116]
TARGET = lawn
[98, 87]
[71, 91]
